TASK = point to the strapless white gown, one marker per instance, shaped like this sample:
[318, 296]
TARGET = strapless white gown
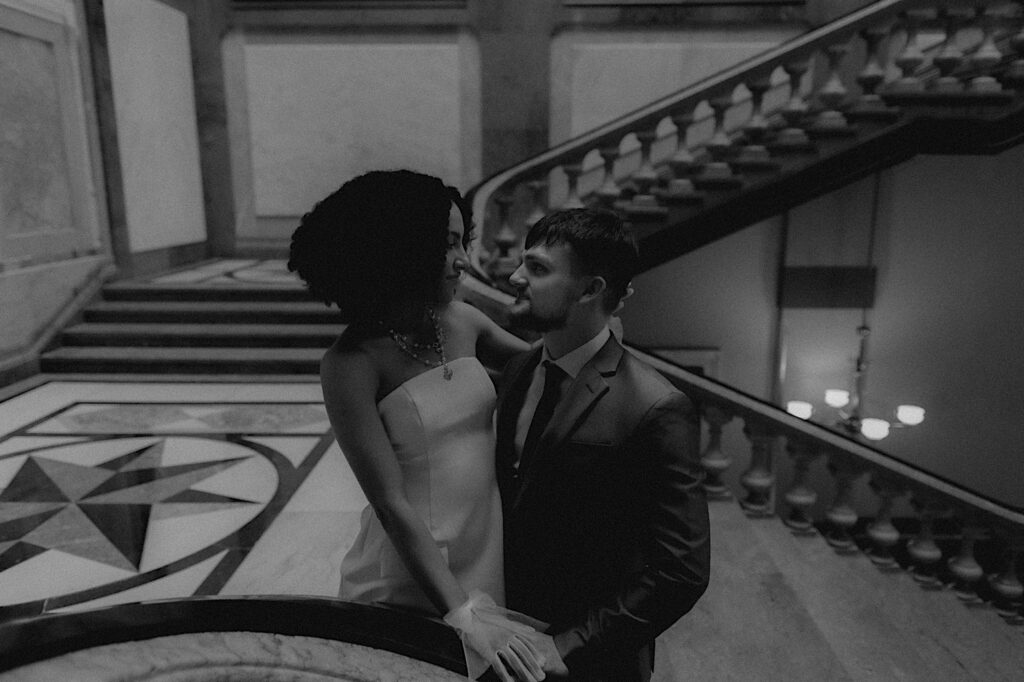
[442, 433]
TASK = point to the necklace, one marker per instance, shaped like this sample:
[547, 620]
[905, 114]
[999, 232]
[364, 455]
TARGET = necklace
[437, 346]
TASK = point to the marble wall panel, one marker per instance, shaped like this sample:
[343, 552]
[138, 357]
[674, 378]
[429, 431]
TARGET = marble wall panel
[151, 69]
[47, 207]
[322, 111]
[597, 76]
[35, 191]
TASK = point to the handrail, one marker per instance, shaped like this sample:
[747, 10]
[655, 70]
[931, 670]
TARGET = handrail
[702, 388]
[727, 79]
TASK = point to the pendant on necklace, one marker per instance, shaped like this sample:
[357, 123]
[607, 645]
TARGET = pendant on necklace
[446, 371]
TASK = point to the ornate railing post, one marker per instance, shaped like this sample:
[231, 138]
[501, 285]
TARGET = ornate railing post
[714, 460]
[911, 57]
[922, 547]
[841, 514]
[793, 137]
[950, 56]
[883, 534]
[538, 207]
[832, 94]
[572, 174]
[986, 56]
[965, 568]
[681, 162]
[758, 479]
[800, 496]
[1006, 585]
[608, 193]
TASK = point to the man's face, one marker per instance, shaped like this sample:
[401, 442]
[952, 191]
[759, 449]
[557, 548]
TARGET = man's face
[548, 287]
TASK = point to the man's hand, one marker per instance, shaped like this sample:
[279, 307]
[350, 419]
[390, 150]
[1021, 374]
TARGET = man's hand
[547, 655]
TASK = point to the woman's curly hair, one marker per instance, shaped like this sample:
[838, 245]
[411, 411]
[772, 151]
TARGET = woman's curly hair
[380, 238]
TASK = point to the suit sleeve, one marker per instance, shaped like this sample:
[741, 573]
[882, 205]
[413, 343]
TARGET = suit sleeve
[677, 566]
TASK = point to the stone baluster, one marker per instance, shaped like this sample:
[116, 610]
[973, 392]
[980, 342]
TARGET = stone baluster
[986, 56]
[682, 161]
[608, 193]
[841, 515]
[922, 548]
[754, 155]
[832, 94]
[758, 479]
[645, 177]
[965, 568]
[911, 57]
[950, 56]
[504, 260]
[1013, 77]
[720, 144]
[714, 461]
[572, 174]
[682, 164]
[1006, 585]
[871, 77]
[800, 497]
[538, 206]
[644, 204]
[883, 534]
[793, 137]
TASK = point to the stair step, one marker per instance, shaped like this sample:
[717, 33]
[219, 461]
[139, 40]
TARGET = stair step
[183, 360]
[196, 292]
[221, 312]
[781, 607]
[883, 625]
[201, 335]
[734, 631]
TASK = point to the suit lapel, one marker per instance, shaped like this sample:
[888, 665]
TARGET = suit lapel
[590, 385]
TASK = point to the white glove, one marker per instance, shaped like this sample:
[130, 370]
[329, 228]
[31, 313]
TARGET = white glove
[497, 638]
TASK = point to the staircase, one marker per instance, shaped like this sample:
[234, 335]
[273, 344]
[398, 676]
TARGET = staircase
[892, 80]
[219, 322]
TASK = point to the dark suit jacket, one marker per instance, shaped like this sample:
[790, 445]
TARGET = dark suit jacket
[606, 528]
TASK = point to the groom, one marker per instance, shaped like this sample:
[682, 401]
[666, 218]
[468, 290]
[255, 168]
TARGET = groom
[605, 518]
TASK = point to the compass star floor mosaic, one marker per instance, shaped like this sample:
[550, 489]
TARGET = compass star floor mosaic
[123, 491]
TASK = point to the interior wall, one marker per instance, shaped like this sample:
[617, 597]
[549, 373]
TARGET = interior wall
[945, 326]
[319, 109]
[52, 236]
[599, 75]
[947, 319]
[154, 101]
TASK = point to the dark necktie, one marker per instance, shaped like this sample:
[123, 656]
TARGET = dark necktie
[553, 376]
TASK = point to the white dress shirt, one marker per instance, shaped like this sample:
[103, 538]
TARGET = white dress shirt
[571, 363]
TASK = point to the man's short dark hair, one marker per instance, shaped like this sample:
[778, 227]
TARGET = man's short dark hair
[601, 245]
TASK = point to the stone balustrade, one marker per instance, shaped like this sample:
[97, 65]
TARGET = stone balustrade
[686, 152]
[939, 545]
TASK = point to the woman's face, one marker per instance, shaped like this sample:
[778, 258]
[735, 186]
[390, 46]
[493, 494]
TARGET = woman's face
[456, 259]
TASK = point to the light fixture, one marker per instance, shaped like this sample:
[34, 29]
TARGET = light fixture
[849, 403]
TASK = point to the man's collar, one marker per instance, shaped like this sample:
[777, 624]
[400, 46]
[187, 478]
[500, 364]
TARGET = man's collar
[573, 361]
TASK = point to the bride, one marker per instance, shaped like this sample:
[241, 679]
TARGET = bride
[411, 406]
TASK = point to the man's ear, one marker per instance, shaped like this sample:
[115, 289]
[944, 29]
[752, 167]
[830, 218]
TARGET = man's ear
[595, 289]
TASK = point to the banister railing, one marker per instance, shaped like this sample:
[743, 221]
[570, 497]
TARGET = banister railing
[890, 478]
[781, 111]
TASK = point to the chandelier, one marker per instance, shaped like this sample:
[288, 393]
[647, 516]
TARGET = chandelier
[848, 403]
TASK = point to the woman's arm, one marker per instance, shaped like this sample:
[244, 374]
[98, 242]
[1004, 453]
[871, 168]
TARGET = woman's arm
[494, 345]
[350, 384]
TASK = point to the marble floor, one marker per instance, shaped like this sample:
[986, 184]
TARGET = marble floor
[120, 491]
[128, 488]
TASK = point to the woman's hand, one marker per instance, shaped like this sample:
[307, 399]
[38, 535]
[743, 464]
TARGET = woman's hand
[491, 639]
